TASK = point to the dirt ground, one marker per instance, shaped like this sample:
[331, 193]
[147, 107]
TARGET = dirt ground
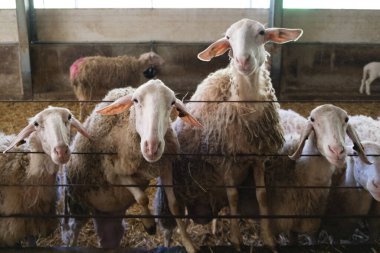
[13, 118]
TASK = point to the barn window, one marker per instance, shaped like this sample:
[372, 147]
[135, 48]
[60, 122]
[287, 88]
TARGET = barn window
[328, 4]
[150, 4]
[7, 4]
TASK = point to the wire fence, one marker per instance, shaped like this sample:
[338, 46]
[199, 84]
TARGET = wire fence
[197, 156]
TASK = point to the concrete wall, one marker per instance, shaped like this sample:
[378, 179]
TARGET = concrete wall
[325, 63]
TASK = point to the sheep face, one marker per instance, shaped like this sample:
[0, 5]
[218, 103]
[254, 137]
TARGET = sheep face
[329, 124]
[153, 103]
[245, 41]
[51, 131]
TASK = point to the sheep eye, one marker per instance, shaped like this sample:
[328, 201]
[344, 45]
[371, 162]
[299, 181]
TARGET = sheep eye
[173, 103]
[312, 119]
[346, 119]
[35, 124]
[227, 37]
[135, 100]
[262, 32]
[69, 117]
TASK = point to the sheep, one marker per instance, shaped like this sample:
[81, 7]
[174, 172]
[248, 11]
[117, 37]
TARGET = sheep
[371, 71]
[139, 137]
[236, 126]
[47, 132]
[91, 77]
[366, 127]
[348, 201]
[323, 134]
[291, 121]
[351, 201]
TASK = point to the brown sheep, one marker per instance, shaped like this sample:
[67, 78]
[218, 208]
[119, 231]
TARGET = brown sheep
[92, 77]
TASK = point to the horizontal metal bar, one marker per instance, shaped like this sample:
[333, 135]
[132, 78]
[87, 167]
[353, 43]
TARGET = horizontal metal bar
[198, 154]
[185, 216]
[201, 101]
[181, 185]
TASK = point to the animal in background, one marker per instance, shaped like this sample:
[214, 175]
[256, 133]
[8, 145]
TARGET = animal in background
[371, 71]
[93, 76]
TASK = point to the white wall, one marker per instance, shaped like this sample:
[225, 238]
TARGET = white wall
[336, 26]
[187, 25]
[136, 25]
[8, 26]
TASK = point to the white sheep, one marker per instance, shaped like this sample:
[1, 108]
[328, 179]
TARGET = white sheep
[291, 121]
[47, 132]
[371, 71]
[322, 135]
[367, 128]
[92, 77]
[139, 136]
[233, 128]
[351, 201]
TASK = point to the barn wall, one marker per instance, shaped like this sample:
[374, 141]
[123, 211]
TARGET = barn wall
[325, 63]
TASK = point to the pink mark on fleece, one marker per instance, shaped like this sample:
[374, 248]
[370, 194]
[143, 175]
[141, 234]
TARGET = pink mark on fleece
[74, 68]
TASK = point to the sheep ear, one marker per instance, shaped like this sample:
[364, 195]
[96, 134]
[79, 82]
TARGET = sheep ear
[120, 105]
[358, 147]
[78, 126]
[282, 35]
[21, 136]
[217, 48]
[184, 115]
[305, 134]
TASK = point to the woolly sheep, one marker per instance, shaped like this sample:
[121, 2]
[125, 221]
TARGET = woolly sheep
[139, 137]
[323, 134]
[232, 128]
[92, 77]
[367, 128]
[351, 201]
[47, 132]
[291, 121]
[371, 71]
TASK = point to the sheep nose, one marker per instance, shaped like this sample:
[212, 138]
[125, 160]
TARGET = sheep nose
[376, 182]
[61, 151]
[243, 61]
[337, 150]
[152, 146]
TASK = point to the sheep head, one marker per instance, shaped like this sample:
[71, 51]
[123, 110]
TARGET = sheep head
[245, 41]
[153, 103]
[329, 124]
[51, 131]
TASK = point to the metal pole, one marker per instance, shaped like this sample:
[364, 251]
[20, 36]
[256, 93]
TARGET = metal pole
[275, 20]
[22, 11]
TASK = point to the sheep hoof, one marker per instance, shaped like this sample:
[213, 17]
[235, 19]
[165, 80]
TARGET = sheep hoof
[151, 230]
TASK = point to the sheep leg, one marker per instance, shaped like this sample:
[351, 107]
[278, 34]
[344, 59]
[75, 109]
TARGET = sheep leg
[261, 195]
[361, 89]
[142, 199]
[167, 179]
[109, 230]
[233, 197]
[368, 85]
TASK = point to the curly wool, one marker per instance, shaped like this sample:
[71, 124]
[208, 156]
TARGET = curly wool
[232, 128]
